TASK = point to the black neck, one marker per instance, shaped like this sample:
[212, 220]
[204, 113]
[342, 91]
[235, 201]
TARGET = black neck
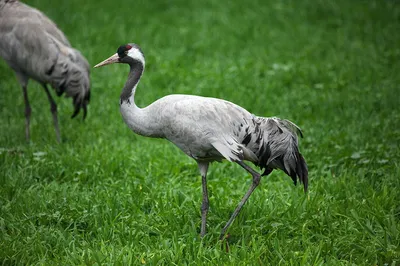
[136, 70]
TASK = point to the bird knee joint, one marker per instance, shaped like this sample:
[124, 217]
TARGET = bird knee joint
[28, 111]
[204, 206]
[256, 179]
[53, 108]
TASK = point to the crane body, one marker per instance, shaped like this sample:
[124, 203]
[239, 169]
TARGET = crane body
[210, 129]
[35, 48]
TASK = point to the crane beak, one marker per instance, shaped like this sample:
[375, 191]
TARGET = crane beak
[111, 60]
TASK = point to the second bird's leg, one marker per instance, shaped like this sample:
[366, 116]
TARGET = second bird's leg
[53, 109]
[27, 113]
[254, 184]
[203, 167]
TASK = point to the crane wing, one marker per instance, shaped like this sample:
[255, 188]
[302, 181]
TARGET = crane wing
[230, 150]
[200, 126]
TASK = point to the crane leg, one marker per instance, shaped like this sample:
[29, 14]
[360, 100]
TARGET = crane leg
[254, 184]
[53, 109]
[28, 112]
[203, 167]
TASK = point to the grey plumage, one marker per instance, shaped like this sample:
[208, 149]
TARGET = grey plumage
[35, 48]
[210, 129]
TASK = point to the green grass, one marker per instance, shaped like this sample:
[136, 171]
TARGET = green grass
[108, 196]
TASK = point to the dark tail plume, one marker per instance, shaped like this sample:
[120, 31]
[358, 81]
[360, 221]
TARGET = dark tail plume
[301, 172]
[280, 149]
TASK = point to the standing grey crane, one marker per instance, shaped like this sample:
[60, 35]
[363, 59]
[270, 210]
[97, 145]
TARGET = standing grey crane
[209, 129]
[34, 47]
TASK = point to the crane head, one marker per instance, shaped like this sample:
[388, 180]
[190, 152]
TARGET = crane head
[125, 54]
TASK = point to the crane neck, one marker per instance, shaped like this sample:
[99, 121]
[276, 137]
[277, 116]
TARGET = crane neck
[135, 73]
[142, 121]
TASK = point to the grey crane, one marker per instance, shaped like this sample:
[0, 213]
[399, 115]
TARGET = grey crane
[210, 129]
[35, 48]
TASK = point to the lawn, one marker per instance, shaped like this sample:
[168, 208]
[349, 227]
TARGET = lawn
[108, 196]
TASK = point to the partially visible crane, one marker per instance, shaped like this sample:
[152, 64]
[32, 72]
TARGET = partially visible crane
[209, 129]
[35, 48]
